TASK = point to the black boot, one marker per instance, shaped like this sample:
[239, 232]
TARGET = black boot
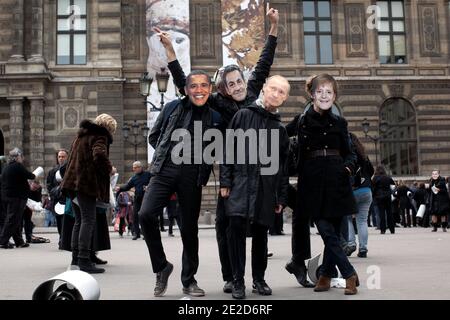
[96, 259]
[86, 265]
[299, 271]
[434, 224]
[444, 226]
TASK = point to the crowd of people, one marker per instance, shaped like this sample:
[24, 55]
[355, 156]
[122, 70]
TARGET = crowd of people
[338, 189]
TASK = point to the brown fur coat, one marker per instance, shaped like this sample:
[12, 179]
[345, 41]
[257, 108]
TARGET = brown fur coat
[88, 166]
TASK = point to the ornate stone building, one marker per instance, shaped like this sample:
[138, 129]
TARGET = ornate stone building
[56, 70]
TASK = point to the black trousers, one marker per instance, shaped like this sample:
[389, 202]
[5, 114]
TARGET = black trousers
[385, 211]
[181, 179]
[136, 207]
[333, 254]
[28, 225]
[222, 222]
[236, 236]
[12, 226]
[301, 243]
[83, 229]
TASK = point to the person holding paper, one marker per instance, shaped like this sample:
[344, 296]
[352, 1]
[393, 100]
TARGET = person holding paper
[15, 192]
[439, 201]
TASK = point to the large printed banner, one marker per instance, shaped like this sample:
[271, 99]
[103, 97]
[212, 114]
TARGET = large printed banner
[171, 16]
[243, 33]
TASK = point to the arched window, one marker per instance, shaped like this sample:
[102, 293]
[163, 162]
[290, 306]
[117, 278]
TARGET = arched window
[398, 139]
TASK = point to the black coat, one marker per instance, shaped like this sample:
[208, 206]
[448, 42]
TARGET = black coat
[439, 203]
[15, 181]
[324, 186]
[254, 195]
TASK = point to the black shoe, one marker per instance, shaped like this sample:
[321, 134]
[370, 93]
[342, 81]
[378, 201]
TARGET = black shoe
[161, 280]
[261, 288]
[269, 254]
[194, 290]
[135, 237]
[238, 291]
[300, 273]
[97, 260]
[86, 265]
[8, 245]
[22, 245]
[228, 287]
[163, 230]
[349, 250]
[362, 254]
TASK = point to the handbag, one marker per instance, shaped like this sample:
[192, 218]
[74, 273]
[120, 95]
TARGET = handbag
[112, 198]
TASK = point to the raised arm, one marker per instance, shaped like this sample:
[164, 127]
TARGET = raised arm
[262, 68]
[179, 78]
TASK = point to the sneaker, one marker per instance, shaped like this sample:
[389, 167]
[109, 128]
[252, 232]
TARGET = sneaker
[194, 290]
[228, 287]
[161, 280]
[261, 288]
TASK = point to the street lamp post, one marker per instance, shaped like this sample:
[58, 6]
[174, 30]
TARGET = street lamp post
[365, 125]
[134, 128]
[162, 79]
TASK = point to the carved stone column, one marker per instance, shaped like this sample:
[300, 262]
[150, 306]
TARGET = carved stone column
[37, 133]
[16, 123]
[17, 51]
[37, 29]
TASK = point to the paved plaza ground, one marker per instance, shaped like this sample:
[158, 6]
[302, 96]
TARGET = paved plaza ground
[411, 264]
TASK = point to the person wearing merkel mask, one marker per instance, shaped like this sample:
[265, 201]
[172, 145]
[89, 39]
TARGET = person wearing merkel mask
[325, 162]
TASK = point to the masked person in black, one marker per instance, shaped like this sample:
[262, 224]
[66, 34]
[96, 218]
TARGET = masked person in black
[233, 94]
[179, 167]
[253, 193]
[325, 162]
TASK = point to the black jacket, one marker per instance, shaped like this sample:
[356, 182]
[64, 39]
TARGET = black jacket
[255, 195]
[226, 106]
[402, 194]
[161, 133]
[15, 181]
[138, 181]
[324, 185]
[381, 186]
[364, 173]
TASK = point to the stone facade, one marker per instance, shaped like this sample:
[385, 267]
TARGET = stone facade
[41, 102]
